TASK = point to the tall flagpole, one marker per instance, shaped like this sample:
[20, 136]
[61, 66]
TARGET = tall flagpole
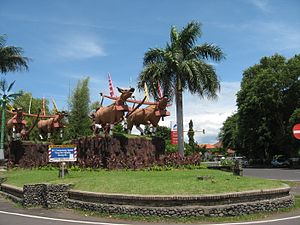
[43, 107]
[111, 87]
[30, 102]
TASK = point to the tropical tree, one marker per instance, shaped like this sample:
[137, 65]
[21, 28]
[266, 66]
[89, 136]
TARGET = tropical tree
[11, 58]
[191, 134]
[163, 132]
[268, 107]
[229, 133]
[6, 97]
[79, 122]
[268, 97]
[182, 65]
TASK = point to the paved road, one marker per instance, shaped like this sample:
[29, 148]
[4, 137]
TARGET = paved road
[274, 173]
[277, 174]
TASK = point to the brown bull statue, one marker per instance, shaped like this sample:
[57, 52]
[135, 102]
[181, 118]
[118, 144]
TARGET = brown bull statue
[16, 124]
[148, 116]
[110, 115]
[51, 125]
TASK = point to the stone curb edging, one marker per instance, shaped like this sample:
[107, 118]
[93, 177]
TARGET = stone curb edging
[12, 192]
[227, 204]
[180, 200]
[186, 211]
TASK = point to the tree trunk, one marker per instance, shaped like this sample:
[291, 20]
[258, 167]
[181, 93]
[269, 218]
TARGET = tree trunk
[179, 117]
[2, 131]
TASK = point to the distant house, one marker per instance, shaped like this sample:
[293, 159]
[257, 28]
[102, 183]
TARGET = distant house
[207, 146]
[219, 144]
[211, 151]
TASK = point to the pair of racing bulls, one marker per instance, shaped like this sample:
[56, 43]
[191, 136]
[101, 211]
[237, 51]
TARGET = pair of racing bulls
[17, 125]
[108, 116]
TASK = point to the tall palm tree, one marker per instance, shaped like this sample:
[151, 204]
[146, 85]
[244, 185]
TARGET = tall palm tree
[5, 97]
[11, 58]
[182, 65]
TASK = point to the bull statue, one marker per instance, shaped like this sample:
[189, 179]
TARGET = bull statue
[16, 124]
[108, 116]
[148, 116]
[51, 125]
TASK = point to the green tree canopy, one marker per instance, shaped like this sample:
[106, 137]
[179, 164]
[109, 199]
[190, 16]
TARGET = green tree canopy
[163, 132]
[79, 122]
[11, 58]
[229, 133]
[268, 98]
[26, 101]
[182, 65]
[191, 134]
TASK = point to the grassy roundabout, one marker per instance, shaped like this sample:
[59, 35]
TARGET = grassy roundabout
[170, 182]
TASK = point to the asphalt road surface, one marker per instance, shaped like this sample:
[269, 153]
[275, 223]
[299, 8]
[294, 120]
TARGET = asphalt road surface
[274, 173]
[277, 174]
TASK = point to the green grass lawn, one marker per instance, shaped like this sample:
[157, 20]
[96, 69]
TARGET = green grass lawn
[172, 182]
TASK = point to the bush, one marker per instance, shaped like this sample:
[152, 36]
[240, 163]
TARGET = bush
[175, 160]
[171, 148]
[227, 162]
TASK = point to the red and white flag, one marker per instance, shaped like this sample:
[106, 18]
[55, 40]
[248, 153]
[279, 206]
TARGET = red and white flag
[111, 87]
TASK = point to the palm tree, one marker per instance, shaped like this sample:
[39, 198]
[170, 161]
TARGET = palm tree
[6, 97]
[182, 65]
[11, 58]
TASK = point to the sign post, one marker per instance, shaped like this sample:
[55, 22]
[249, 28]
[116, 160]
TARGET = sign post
[296, 131]
[174, 134]
[62, 154]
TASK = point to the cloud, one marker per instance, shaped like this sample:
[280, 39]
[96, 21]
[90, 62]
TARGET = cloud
[274, 36]
[281, 36]
[208, 115]
[79, 47]
[261, 4]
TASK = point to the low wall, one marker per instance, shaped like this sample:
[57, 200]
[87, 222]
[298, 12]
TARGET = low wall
[186, 211]
[12, 192]
[46, 195]
[167, 200]
[229, 204]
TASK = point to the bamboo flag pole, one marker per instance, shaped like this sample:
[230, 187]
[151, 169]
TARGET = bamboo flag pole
[30, 102]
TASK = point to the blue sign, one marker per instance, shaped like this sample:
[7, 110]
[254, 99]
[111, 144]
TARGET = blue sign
[62, 153]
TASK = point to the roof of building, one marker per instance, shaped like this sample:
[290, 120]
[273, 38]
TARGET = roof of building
[207, 146]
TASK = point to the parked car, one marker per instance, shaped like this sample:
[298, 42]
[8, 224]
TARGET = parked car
[280, 161]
